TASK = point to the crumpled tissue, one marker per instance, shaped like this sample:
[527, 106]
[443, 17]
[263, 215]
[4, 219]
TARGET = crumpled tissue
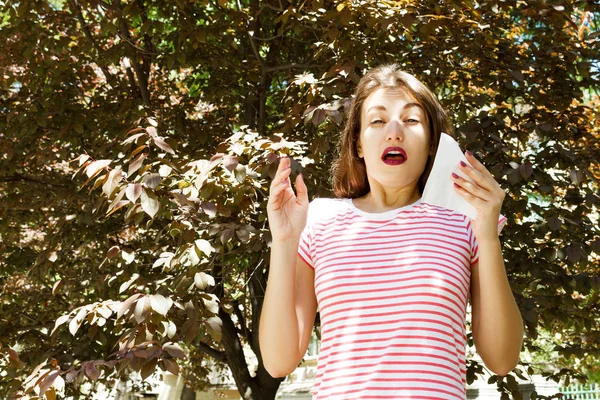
[439, 189]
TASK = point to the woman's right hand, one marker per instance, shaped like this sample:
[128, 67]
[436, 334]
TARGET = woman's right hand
[287, 212]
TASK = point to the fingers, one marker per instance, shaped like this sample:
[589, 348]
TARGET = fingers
[301, 190]
[276, 191]
[482, 179]
[478, 166]
[283, 172]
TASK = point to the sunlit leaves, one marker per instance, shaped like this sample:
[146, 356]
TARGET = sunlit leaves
[150, 203]
[188, 217]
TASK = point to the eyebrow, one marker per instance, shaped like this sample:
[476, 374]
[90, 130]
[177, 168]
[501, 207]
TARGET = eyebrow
[407, 105]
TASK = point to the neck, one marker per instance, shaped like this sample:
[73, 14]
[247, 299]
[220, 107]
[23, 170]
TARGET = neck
[388, 199]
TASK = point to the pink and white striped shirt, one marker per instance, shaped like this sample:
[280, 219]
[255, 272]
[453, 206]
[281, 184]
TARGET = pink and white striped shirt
[392, 290]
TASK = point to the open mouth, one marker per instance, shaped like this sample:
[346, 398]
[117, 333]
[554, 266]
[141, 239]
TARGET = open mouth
[394, 156]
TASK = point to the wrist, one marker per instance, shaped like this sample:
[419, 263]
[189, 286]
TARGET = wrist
[489, 240]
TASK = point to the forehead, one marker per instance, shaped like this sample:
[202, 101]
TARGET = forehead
[389, 98]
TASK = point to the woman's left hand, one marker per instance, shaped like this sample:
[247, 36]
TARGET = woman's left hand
[484, 193]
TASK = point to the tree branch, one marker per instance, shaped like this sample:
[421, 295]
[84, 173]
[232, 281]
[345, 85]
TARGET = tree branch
[76, 9]
[148, 45]
[142, 79]
[18, 177]
[217, 355]
[238, 313]
[290, 66]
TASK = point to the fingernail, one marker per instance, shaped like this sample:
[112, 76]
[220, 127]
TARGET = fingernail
[457, 186]
[469, 153]
[454, 176]
[464, 164]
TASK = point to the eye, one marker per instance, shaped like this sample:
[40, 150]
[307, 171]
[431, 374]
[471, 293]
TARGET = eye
[412, 119]
[377, 121]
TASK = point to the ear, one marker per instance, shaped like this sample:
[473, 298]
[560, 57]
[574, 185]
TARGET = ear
[359, 150]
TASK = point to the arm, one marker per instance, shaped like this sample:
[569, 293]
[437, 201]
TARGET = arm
[289, 307]
[496, 321]
[288, 312]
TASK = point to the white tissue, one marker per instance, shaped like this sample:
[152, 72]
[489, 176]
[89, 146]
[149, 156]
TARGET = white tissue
[439, 189]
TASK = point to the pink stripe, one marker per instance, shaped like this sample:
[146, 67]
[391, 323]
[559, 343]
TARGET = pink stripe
[325, 307]
[395, 388]
[320, 277]
[324, 317]
[434, 237]
[381, 282]
[395, 314]
[370, 252]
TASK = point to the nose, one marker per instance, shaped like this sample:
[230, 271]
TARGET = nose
[394, 131]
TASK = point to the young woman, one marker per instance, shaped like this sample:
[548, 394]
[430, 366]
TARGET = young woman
[390, 274]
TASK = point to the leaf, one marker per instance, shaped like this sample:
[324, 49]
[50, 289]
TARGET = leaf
[49, 380]
[240, 173]
[125, 285]
[133, 138]
[137, 150]
[526, 170]
[160, 303]
[171, 330]
[203, 280]
[127, 304]
[91, 371]
[150, 203]
[209, 208]
[230, 162]
[148, 368]
[50, 393]
[171, 366]
[141, 310]
[174, 350]
[116, 206]
[61, 320]
[193, 256]
[160, 142]
[136, 164]
[211, 302]
[133, 191]
[134, 130]
[56, 287]
[95, 167]
[152, 121]
[112, 252]
[164, 170]
[71, 375]
[214, 325]
[204, 246]
[128, 255]
[151, 131]
[77, 321]
[151, 180]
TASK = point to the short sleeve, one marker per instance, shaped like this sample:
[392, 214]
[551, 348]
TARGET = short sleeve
[306, 245]
[473, 240]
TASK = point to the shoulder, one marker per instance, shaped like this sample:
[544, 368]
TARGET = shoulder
[444, 213]
[323, 208]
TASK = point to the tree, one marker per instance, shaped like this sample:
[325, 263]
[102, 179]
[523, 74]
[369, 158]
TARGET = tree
[139, 138]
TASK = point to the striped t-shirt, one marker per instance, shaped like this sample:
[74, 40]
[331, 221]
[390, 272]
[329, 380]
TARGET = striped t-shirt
[392, 290]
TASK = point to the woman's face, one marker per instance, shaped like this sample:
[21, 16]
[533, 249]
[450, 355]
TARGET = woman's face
[392, 121]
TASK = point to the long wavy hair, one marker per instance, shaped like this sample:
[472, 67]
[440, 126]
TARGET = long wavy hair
[349, 171]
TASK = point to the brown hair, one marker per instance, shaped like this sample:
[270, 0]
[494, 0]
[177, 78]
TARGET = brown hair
[349, 170]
